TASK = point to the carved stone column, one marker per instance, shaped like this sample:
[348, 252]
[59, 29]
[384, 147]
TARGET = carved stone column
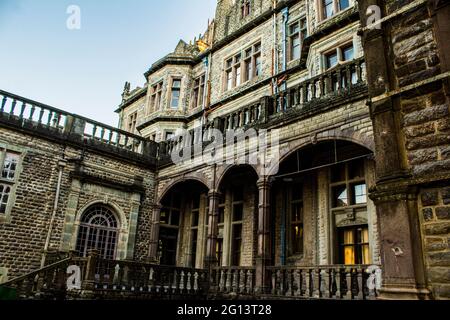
[263, 258]
[154, 236]
[401, 252]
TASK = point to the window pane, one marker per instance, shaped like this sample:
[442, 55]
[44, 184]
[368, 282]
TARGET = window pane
[297, 191]
[238, 76]
[328, 9]
[258, 65]
[331, 60]
[340, 198]
[297, 238]
[338, 173]
[176, 83]
[175, 218]
[10, 166]
[294, 28]
[296, 47]
[175, 98]
[343, 4]
[163, 217]
[195, 219]
[297, 212]
[4, 196]
[238, 210]
[359, 194]
[347, 53]
[236, 245]
[356, 169]
[221, 214]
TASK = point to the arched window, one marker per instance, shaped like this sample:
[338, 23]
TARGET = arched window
[98, 230]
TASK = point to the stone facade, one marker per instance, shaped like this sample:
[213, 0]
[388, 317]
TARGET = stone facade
[362, 116]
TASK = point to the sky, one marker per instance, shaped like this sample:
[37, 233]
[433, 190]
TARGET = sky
[45, 57]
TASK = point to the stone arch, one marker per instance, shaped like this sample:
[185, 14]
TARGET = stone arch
[355, 137]
[223, 170]
[195, 176]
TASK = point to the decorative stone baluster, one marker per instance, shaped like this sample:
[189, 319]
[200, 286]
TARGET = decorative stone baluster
[249, 281]
[228, 282]
[289, 291]
[316, 283]
[175, 281]
[22, 110]
[298, 282]
[188, 282]
[235, 281]
[222, 281]
[348, 281]
[360, 283]
[13, 107]
[326, 283]
[2, 108]
[182, 282]
[307, 274]
[242, 281]
[32, 110]
[196, 281]
[338, 280]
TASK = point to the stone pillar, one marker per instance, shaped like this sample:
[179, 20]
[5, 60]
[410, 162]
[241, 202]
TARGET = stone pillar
[400, 249]
[154, 236]
[440, 12]
[263, 258]
[91, 266]
[213, 229]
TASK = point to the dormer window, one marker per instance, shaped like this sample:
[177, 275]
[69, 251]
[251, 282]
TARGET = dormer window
[245, 8]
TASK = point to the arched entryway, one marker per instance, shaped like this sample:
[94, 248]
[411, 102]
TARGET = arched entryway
[183, 224]
[237, 208]
[320, 211]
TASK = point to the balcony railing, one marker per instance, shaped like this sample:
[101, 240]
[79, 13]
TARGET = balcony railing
[111, 279]
[321, 282]
[233, 280]
[340, 82]
[29, 114]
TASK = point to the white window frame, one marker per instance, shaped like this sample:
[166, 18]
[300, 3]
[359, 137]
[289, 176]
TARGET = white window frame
[4, 150]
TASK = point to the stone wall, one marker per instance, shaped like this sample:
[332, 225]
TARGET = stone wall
[88, 177]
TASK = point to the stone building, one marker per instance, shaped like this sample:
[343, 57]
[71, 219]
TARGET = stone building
[361, 109]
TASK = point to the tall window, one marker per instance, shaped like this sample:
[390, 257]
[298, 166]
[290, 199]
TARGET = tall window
[330, 7]
[8, 165]
[156, 96]
[348, 190]
[98, 231]
[195, 215]
[297, 33]
[243, 67]
[175, 93]
[132, 120]
[245, 8]
[198, 92]
[296, 219]
[168, 233]
[221, 224]
[237, 214]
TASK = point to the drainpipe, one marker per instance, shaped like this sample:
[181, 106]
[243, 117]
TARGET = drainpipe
[207, 91]
[285, 13]
[61, 164]
[274, 49]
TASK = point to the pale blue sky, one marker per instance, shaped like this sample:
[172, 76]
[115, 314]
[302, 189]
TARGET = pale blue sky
[83, 71]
